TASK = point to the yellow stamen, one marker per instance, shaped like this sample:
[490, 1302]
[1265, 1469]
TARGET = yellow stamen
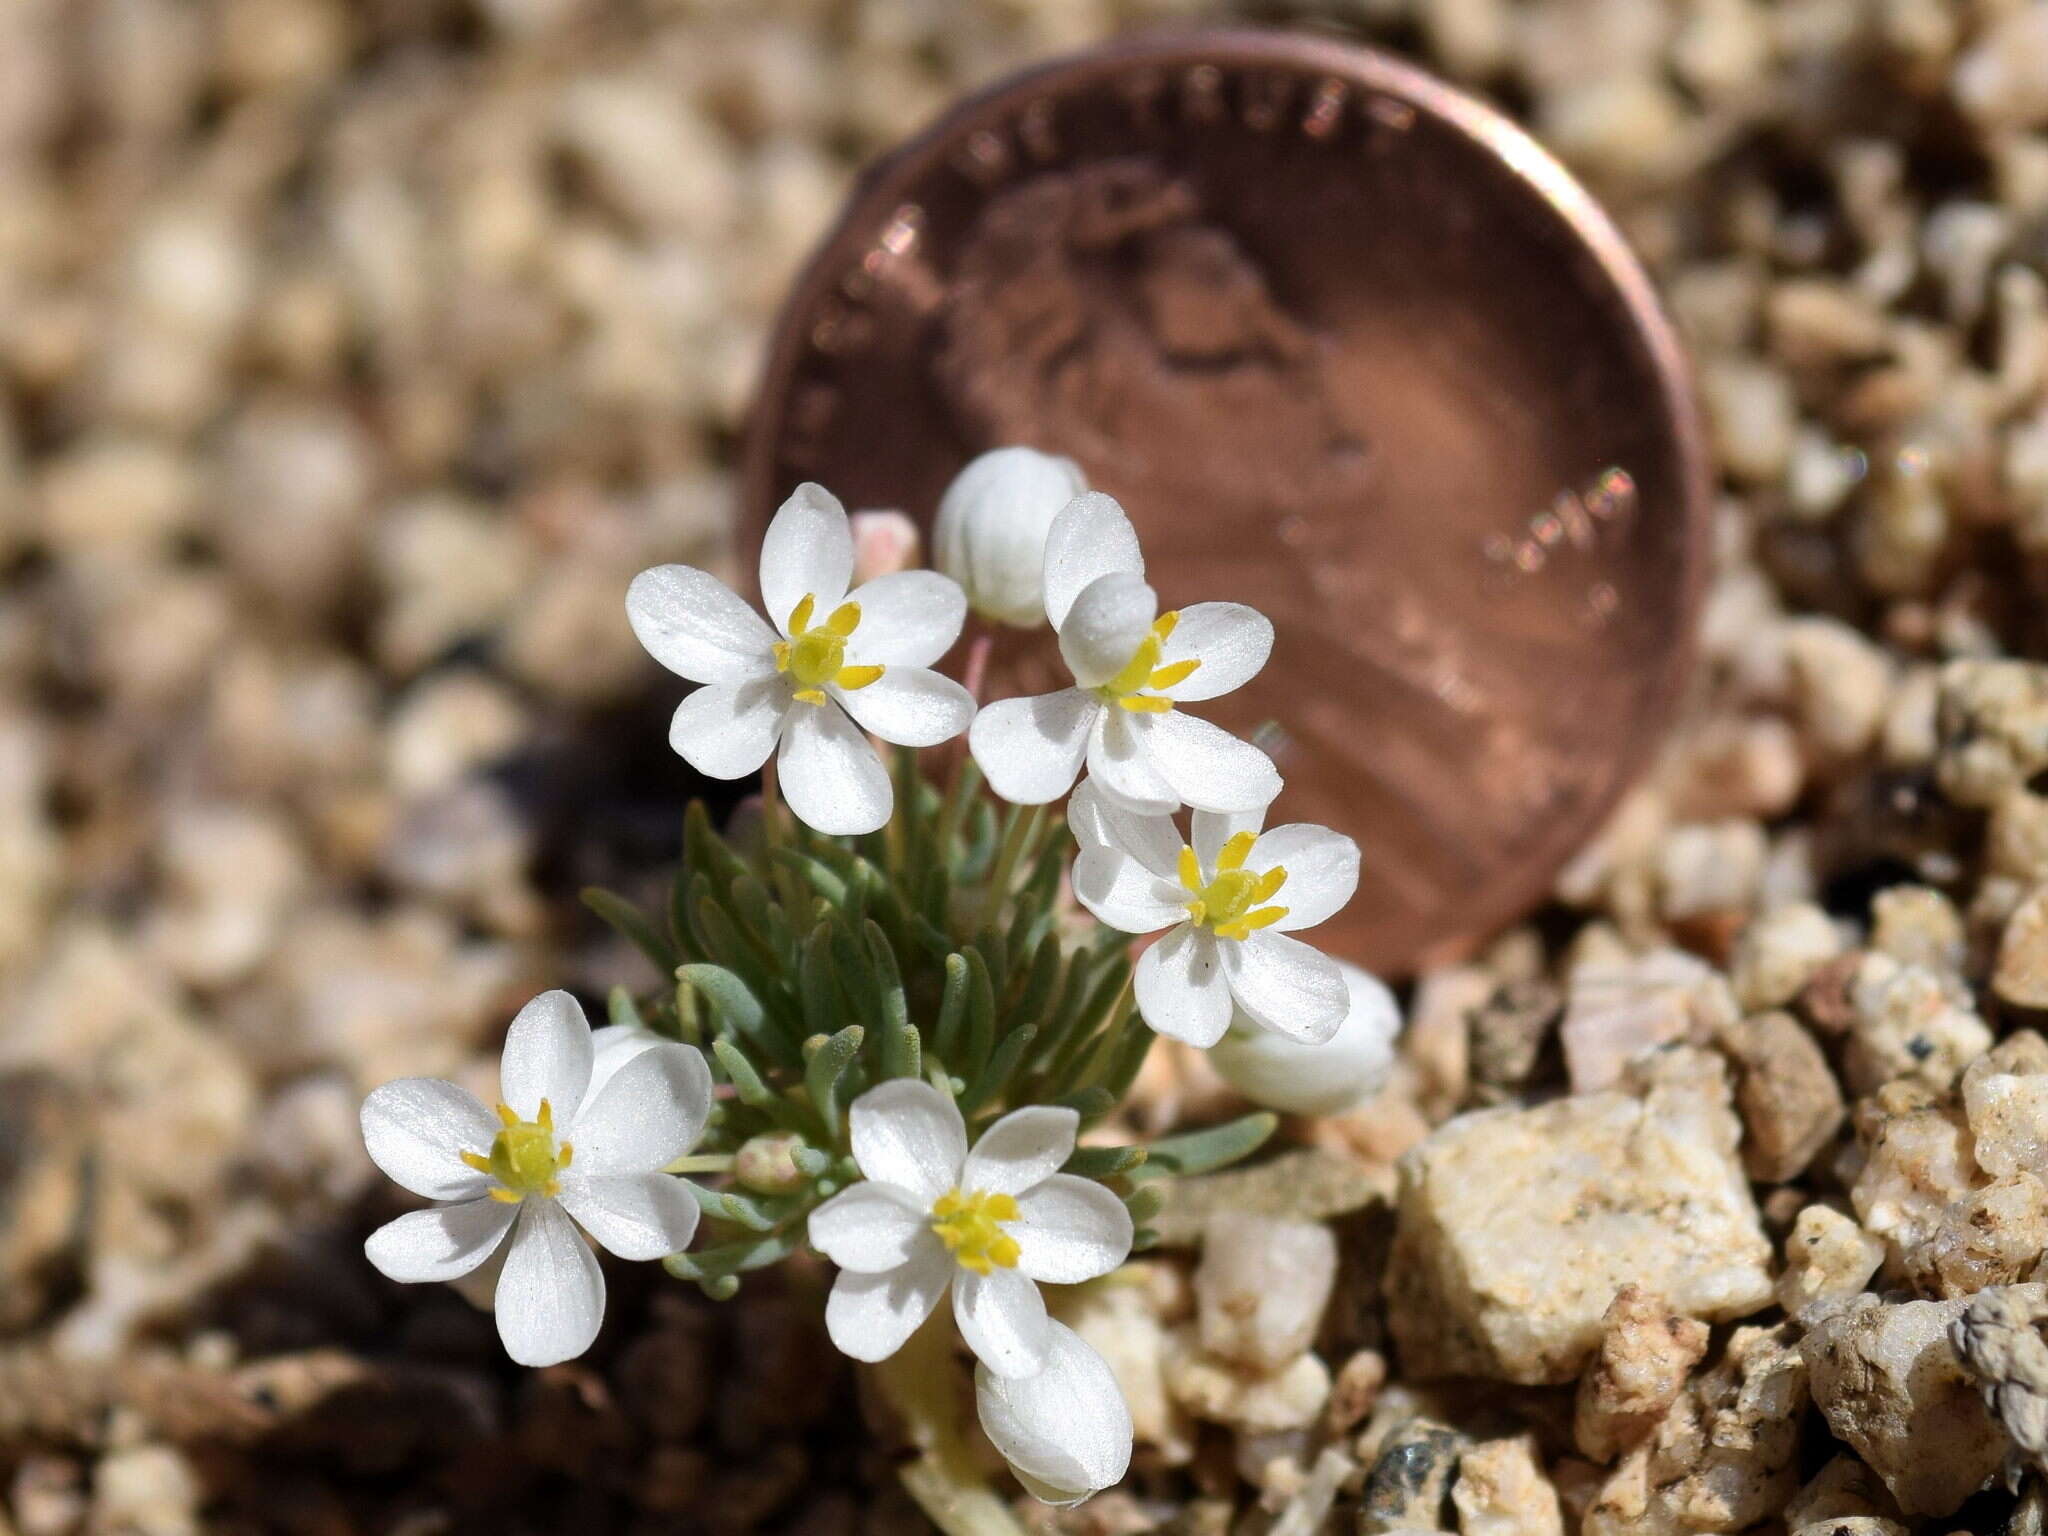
[968, 1225]
[813, 656]
[1143, 671]
[524, 1158]
[1228, 904]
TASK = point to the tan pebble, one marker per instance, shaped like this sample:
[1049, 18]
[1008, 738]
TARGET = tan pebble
[1786, 1093]
[1646, 1352]
[1827, 1256]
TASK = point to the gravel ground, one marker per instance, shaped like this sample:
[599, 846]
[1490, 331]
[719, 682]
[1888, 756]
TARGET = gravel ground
[354, 356]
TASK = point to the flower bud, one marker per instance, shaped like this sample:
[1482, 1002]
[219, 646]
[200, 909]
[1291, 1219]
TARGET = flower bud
[1065, 1431]
[990, 535]
[884, 542]
[1327, 1079]
[763, 1165]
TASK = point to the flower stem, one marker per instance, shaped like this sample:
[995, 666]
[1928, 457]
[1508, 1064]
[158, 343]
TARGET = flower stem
[702, 1162]
[922, 1382]
[1020, 830]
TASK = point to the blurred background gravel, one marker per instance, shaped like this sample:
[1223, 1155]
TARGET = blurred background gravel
[353, 356]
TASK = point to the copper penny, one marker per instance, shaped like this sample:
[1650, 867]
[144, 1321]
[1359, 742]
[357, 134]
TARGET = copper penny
[1348, 346]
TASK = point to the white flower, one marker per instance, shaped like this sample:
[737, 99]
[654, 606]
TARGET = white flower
[1065, 1431]
[992, 1223]
[868, 656]
[1132, 667]
[1306, 1078]
[1228, 900]
[556, 1148]
[991, 527]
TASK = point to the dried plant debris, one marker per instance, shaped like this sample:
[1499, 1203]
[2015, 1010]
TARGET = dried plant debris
[353, 358]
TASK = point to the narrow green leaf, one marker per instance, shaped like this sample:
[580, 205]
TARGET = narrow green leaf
[741, 1210]
[902, 1050]
[1002, 1063]
[981, 1017]
[1205, 1151]
[952, 1007]
[1145, 1202]
[746, 1082]
[1103, 1162]
[828, 1063]
[1091, 1104]
[630, 924]
[620, 1008]
[819, 989]
[727, 1259]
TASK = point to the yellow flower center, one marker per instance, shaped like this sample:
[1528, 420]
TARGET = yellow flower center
[968, 1224]
[1143, 671]
[814, 657]
[524, 1158]
[1228, 903]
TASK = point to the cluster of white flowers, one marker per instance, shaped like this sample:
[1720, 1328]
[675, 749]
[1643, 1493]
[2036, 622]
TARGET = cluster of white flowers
[589, 1122]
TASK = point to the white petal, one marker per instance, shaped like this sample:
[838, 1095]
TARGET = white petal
[1103, 629]
[1151, 840]
[547, 1056]
[869, 1316]
[727, 730]
[650, 1112]
[1306, 1079]
[872, 1228]
[697, 626]
[1091, 537]
[480, 1286]
[613, 1046]
[551, 1294]
[1123, 769]
[1072, 1230]
[635, 1215]
[1230, 641]
[442, 1244]
[1208, 767]
[1023, 1149]
[1322, 871]
[907, 1133]
[830, 775]
[909, 706]
[1180, 987]
[1030, 749]
[1002, 1318]
[991, 527]
[908, 619]
[1066, 1431]
[1285, 985]
[1208, 831]
[417, 1129]
[1124, 894]
[807, 552]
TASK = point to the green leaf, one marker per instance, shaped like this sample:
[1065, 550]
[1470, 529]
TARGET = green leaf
[741, 1210]
[829, 1061]
[1103, 1162]
[952, 1008]
[1002, 1063]
[620, 1009]
[981, 1017]
[1204, 1151]
[746, 1082]
[1145, 1202]
[627, 921]
[732, 999]
[902, 1050]
[733, 1258]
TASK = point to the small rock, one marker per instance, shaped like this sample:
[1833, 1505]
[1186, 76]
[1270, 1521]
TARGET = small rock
[2005, 1100]
[1779, 953]
[1909, 1023]
[1501, 1491]
[1307, 1185]
[1261, 1287]
[1893, 1388]
[1992, 1236]
[147, 1490]
[1259, 1402]
[1998, 1338]
[1724, 1457]
[1614, 1010]
[1917, 925]
[1786, 1093]
[1840, 684]
[1409, 1486]
[1517, 1226]
[1844, 1489]
[1646, 1352]
[2021, 975]
[1991, 718]
[1705, 869]
[1827, 1256]
[1355, 1391]
[1917, 1162]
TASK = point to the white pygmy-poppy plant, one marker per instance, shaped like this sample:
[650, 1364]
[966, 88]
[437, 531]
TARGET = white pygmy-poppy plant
[1065, 1430]
[557, 1148]
[990, 1224]
[1316, 1078]
[991, 528]
[836, 664]
[1133, 666]
[1228, 898]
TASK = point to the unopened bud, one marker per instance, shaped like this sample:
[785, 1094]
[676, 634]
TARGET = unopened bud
[1327, 1079]
[883, 544]
[764, 1165]
[990, 534]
